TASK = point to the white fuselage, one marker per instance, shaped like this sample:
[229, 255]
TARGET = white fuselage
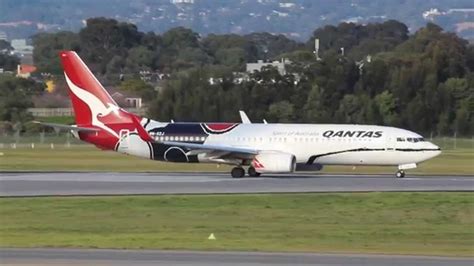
[326, 144]
[306, 140]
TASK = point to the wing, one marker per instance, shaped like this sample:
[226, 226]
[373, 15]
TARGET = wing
[223, 150]
[218, 151]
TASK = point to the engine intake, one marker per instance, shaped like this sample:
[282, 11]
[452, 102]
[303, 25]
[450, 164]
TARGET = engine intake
[274, 162]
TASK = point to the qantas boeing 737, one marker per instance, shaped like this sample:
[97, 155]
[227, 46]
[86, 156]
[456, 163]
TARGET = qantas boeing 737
[261, 148]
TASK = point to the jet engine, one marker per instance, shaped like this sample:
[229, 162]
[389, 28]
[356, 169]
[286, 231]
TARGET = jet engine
[309, 167]
[274, 162]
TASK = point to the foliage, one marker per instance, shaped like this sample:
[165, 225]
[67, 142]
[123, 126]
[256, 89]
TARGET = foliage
[423, 82]
[139, 87]
[7, 61]
[15, 98]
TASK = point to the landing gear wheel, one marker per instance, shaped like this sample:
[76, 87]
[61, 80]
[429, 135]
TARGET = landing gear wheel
[400, 174]
[252, 172]
[237, 172]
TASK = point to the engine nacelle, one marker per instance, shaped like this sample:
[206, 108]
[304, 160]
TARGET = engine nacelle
[309, 167]
[274, 162]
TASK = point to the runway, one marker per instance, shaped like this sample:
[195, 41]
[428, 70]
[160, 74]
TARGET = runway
[96, 183]
[149, 257]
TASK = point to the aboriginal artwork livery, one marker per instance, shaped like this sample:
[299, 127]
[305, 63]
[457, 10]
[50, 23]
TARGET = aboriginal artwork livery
[196, 133]
[263, 148]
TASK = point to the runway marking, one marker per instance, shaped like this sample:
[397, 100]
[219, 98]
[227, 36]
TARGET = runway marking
[97, 183]
[158, 257]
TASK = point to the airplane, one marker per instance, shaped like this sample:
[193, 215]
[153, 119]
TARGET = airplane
[261, 148]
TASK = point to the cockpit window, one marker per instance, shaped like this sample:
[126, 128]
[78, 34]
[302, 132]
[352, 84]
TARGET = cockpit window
[415, 140]
[400, 139]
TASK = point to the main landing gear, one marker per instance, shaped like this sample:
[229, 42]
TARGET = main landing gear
[252, 172]
[239, 172]
[400, 174]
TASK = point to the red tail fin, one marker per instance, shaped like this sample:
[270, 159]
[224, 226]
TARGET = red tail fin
[88, 96]
[94, 107]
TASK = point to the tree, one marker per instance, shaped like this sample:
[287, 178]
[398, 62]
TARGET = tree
[47, 47]
[281, 111]
[9, 62]
[349, 109]
[15, 98]
[387, 106]
[104, 38]
[5, 47]
[139, 58]
[138, 86]
[314, 110]
[464, 123]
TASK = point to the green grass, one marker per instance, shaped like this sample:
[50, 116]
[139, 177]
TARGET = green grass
[88, 158]
[391, 223]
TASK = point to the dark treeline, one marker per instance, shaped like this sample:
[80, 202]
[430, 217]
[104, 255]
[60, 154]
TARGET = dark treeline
[423, 81]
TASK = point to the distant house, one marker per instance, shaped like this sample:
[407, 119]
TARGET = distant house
[280, 66]
[24, 70]
[126, 99]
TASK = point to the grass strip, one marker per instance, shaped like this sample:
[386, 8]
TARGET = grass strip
[433, 223]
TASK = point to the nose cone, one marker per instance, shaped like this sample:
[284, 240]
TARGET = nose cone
[434, 149]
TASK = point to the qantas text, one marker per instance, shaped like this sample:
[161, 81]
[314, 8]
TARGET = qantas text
[352, 134]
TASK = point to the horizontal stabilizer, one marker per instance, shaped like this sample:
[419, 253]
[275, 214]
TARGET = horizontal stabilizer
[215, 147]
[68, 127]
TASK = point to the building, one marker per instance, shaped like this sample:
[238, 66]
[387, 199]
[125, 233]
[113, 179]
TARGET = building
[24, 70]
[3, 36]
[21, 47]
[177, 2]
[126, 99]
[279, 65]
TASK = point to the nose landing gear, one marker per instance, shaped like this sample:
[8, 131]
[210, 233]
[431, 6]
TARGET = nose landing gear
[400, 174]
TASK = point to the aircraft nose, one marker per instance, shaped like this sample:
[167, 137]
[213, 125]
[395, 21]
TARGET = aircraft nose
[435, 149]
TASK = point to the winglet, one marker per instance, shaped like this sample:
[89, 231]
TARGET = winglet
[245, 119]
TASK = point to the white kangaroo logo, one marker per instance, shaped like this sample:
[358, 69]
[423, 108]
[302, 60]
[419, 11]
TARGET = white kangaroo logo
[98, 109]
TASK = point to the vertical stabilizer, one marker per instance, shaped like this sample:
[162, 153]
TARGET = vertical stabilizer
[88, 96]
